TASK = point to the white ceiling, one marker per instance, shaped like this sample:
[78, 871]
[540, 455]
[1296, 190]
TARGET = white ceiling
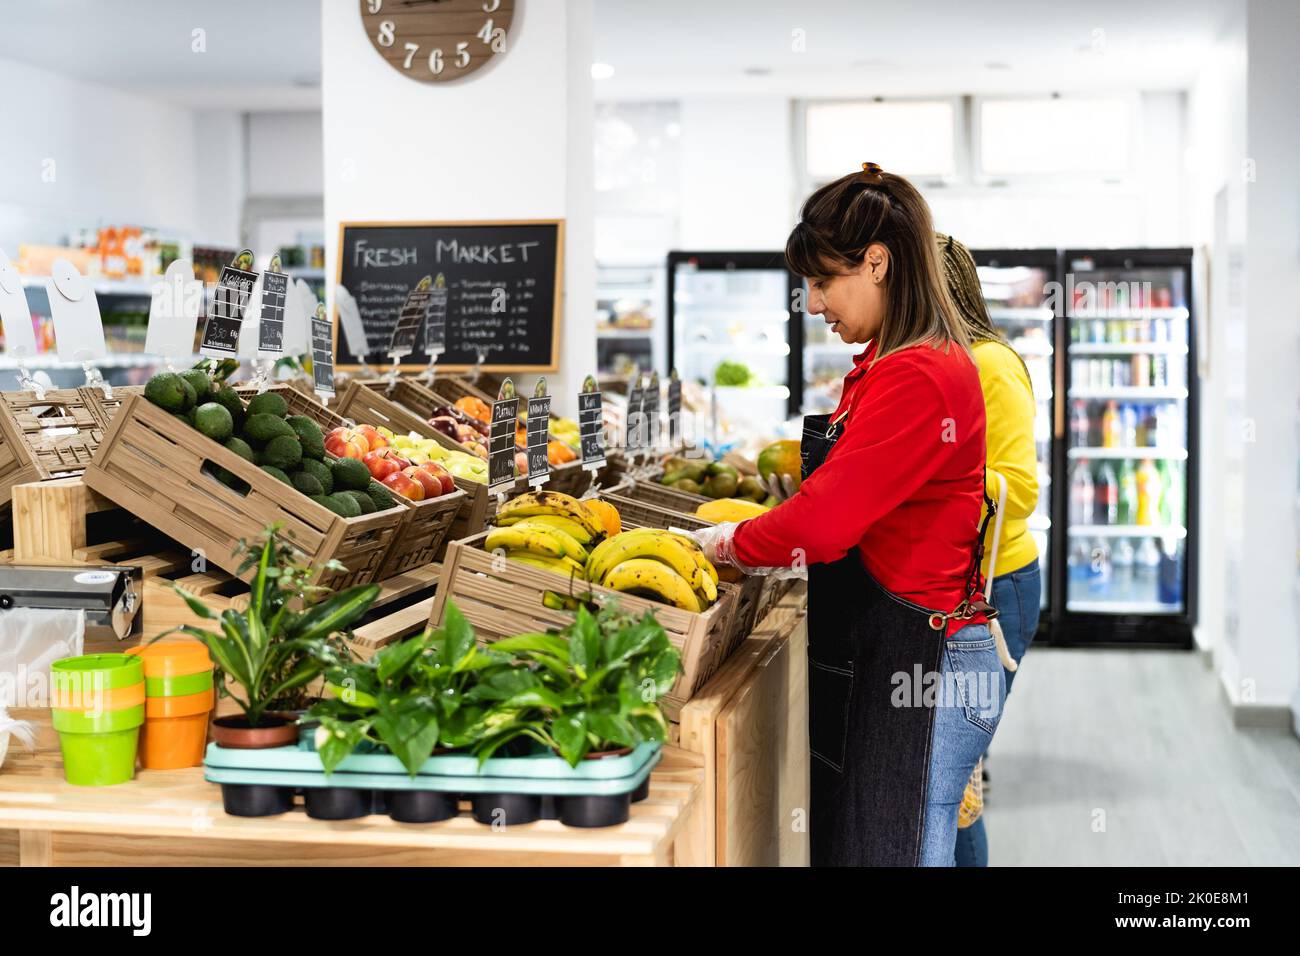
[261, 54]
[667, 48]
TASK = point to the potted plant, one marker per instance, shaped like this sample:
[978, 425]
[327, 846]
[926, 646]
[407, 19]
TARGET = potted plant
[274, 649]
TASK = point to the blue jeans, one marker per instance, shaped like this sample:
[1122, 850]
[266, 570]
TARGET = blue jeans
[968, 706]
[1017, 596]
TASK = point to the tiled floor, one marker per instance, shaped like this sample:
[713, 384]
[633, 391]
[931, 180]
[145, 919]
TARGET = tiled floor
[1114, 758]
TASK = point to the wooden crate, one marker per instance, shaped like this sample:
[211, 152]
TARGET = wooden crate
[663, 496]
[152, 464]
[52, 437]
[423, 534]
[502, 598]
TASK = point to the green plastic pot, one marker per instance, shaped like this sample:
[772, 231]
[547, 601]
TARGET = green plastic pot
[182, 686]
[92, 672]
[99, 750]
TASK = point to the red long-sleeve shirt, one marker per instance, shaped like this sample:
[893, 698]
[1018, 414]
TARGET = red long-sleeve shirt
[904, 483]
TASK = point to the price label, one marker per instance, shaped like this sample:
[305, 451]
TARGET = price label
[15, 316]
[538, 432]
[591, 423]
[435, 326]
[270, 327]
[322, 352]
[652, 428]
[501, 438]
[230, 300]
[410, 321]
[674, 409]
[174, 311]
[78, 328]
[634, 427]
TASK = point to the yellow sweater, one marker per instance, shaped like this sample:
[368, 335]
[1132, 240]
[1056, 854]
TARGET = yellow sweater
[1009, 406]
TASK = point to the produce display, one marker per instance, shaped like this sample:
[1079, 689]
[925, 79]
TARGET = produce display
[584, 540]
[731, 509]
[419, 451]
[469, 419]
[385, 464]
[713, 479]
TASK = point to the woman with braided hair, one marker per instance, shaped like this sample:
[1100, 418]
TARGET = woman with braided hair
[1011, 477]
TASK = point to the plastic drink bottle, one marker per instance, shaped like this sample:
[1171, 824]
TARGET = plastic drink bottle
[1106, 495]
[1128, 493]
[1123, 559]
[1081, 494]
[1148, 482]
[1110, 427]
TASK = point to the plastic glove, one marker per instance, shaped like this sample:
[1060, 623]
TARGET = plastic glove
[717, 544]
[780, 487]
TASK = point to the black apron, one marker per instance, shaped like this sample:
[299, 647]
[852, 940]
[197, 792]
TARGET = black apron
[869, 757]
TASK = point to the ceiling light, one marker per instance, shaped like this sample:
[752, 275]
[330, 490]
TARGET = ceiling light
[601, 71]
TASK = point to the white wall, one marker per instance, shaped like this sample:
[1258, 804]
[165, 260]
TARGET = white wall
[512, 142]
[116, 158]
[221, 178]
[285, 157]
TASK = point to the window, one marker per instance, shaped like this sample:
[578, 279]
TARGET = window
[910, 137]
[1051, 135]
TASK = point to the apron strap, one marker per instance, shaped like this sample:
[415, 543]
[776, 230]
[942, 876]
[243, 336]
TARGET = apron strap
[969, 606]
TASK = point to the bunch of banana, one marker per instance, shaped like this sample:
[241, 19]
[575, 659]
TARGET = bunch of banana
[658, 564]
[546, 529]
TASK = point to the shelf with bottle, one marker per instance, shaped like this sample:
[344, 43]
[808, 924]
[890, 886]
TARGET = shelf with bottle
[1121, 392]
[1168, 454]
[1123, 607]
[1175, 313]
[1175, 532]
[1128, 348]
[1020, 313]
[1115, 575]
[1149, 497]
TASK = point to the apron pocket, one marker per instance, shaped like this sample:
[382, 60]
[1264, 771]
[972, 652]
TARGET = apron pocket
[830, 689]
[974, 669]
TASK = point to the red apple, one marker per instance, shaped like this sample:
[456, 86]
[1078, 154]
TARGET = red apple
[442, 474]
[341, 446]
[521, 463]
[428, 481]
[372, 436]
[381, 464]
[404, 485]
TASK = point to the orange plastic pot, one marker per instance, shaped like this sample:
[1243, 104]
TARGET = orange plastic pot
[175, 731]
[86, 698]
[173, 658]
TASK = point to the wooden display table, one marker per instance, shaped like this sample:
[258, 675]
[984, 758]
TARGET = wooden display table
[174, 818]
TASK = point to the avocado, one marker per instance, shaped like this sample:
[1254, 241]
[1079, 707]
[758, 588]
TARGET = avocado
[167, 391]
[227, 396]
[329, 502]
[283, 452]
[750, 487]
[350, 474]
[320, 471]
[721, 485]
[229, 479]
[214, 420]
[307, 483]
[200, 382]
[240, 448]
[191, 396]
[309, 433]
[381, 496]
[277, 473]
[363, 501]
[260, 428]
[347, 507]
[268, 403]
[686, 484]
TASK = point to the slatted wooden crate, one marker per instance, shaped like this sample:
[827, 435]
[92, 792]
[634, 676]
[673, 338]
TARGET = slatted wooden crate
[427, 525]
[51, 437]
[153, 464]
[664, 496]
[501, 598]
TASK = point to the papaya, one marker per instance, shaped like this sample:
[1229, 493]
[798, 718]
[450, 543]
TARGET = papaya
[781, 458]
[730, 509]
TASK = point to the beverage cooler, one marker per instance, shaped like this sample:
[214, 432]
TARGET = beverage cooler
[1016, 284]
[1127, 462]
[732, 324]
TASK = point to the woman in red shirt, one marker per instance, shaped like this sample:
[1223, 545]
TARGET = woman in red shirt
[904, 684]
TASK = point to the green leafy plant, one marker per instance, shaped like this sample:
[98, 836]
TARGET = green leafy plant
[219, 370]
[286, 637]
[593, 687]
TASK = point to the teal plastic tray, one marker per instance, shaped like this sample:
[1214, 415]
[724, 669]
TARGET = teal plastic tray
[541, 774]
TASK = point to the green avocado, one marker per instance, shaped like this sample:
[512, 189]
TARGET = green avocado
[213, 419]
[260, 428]
[282, 452]
[277, 473]
[307, 483]
[346, 505]
[363, 501]
[167, 391]
[191, 396]
[240, 448]
[309, 433]
[268, 403]
[350, 474]
[320, 471]
[228, 397]
[381, 496]
[200, 382]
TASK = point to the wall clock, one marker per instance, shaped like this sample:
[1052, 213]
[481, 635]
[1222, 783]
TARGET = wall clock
[435, 41]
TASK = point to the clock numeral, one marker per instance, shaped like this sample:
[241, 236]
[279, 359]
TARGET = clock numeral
[375, 5]
[499, 40]
[485, 34]
[462, 55]
[385, 36]
[411, 50]
[435, 62]
[491, 6]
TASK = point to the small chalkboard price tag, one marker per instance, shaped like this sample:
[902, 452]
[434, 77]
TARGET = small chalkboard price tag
[674, 409]
[591, 424]
[539, 433]
[501, 438]
[270, 327]
[322, 353]
[435, 327]
[234, 286]
[635, 424]
[653, 428]
[410, 321]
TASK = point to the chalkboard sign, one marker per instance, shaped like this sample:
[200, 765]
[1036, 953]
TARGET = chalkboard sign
[322, 354]
[435, 323]
[501, 438]
[503, 282]
[652, 423]
[539, 432]
[230, 299]
[591, 423]
[410, 319]
[674, 409]
[270, 328]
[634, 432]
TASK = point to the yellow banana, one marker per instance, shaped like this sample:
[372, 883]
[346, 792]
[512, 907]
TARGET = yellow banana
[523, 539]
[562, 522]
[642, 543]
[705, 586]
[570, 545]
[700, 559]
[566, 566]
[548, 503]
[653, 578]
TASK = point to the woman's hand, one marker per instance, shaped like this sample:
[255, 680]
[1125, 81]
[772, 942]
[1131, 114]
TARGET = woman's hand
[780, 487]
[717, 544]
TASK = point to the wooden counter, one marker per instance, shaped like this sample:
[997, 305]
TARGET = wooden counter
[174, 818]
